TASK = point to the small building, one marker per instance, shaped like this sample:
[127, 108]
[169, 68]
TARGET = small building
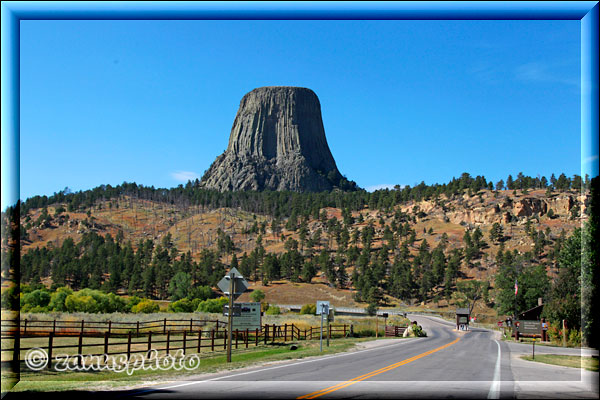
[462, 319]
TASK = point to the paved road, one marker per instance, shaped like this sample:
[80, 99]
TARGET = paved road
[446, 364]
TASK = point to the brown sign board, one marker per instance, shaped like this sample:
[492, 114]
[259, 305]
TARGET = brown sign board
[529, 327]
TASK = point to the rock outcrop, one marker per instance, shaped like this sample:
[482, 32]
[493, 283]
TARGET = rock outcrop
[277, 142]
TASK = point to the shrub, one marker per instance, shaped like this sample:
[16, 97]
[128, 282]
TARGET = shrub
[309, 309]
[212, 305]
[57, 300]
[574, 336]
[183, 305]
[201, 293]
[145, 306]
[418, 331]
[81, 303]
[273, 310]
[94, 301]
[257, 295]
[35, 299]
[133, 301]
[364, 333]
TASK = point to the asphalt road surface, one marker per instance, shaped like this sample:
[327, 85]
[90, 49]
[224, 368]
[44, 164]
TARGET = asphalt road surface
[446, 364]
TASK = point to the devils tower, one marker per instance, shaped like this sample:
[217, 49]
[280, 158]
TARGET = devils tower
[277, 142]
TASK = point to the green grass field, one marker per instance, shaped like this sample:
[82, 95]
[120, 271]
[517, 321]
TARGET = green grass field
[50, 380]
[589, 363]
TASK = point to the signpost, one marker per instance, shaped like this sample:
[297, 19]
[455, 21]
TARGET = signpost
[322, 309]
[233, 285]
[249, 317]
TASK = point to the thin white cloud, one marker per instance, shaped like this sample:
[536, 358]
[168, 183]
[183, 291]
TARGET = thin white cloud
[184, 176]
[540, 72]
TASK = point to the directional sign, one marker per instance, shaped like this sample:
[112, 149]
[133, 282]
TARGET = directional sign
[239, 285]
[322, 307]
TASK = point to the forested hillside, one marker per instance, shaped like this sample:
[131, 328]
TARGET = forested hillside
[463, 242]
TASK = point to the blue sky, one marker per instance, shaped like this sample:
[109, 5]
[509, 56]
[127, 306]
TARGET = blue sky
[153, 102]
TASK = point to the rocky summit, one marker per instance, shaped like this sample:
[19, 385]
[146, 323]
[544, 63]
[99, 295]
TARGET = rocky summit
[277, 142]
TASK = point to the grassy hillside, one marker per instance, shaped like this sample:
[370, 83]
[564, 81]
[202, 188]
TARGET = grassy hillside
[194, 228]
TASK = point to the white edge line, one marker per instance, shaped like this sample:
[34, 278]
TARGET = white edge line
[268, 369]
[495, 388]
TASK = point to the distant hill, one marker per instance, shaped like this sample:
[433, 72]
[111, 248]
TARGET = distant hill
[355, 245]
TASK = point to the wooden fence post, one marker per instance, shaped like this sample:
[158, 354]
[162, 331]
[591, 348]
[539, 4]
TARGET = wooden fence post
[165, 326]
[137, 329]
[285, 332]
[191, 325]
[80, 349]
[82, 325]
[344, 330]
[274, 333]
[256, 337]
[25, 327]
[266, 330]
[236, 338]
[168, 341]
[199, 340]
[246, 338]
[184, 341]
[54, 326]
[225, 339]
[50, 338]
[106, 334]
[212, 340]
[128, 345]
[149, 340]
[109, 326]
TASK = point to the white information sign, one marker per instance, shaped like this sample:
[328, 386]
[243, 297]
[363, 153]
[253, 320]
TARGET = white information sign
[249, 318]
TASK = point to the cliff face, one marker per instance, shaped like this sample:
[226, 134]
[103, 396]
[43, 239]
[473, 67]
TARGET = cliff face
[505, 209]
[277, 142]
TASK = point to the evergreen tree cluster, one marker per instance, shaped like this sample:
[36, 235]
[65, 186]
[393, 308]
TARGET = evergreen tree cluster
[284, 204]
[108, 264]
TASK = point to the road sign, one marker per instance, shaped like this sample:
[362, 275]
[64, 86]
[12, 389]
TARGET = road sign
[239, 285]
[249, 318]
[233, 285]
[322, 307]
[237, 310]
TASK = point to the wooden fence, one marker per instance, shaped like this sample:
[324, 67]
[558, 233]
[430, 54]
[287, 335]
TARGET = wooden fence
[75, 328]
[140, 337]
[394, 331]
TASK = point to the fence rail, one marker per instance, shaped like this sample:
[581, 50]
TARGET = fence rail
[74, 328]
[189, 338]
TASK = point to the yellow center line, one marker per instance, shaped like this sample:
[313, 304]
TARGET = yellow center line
[352, 381]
